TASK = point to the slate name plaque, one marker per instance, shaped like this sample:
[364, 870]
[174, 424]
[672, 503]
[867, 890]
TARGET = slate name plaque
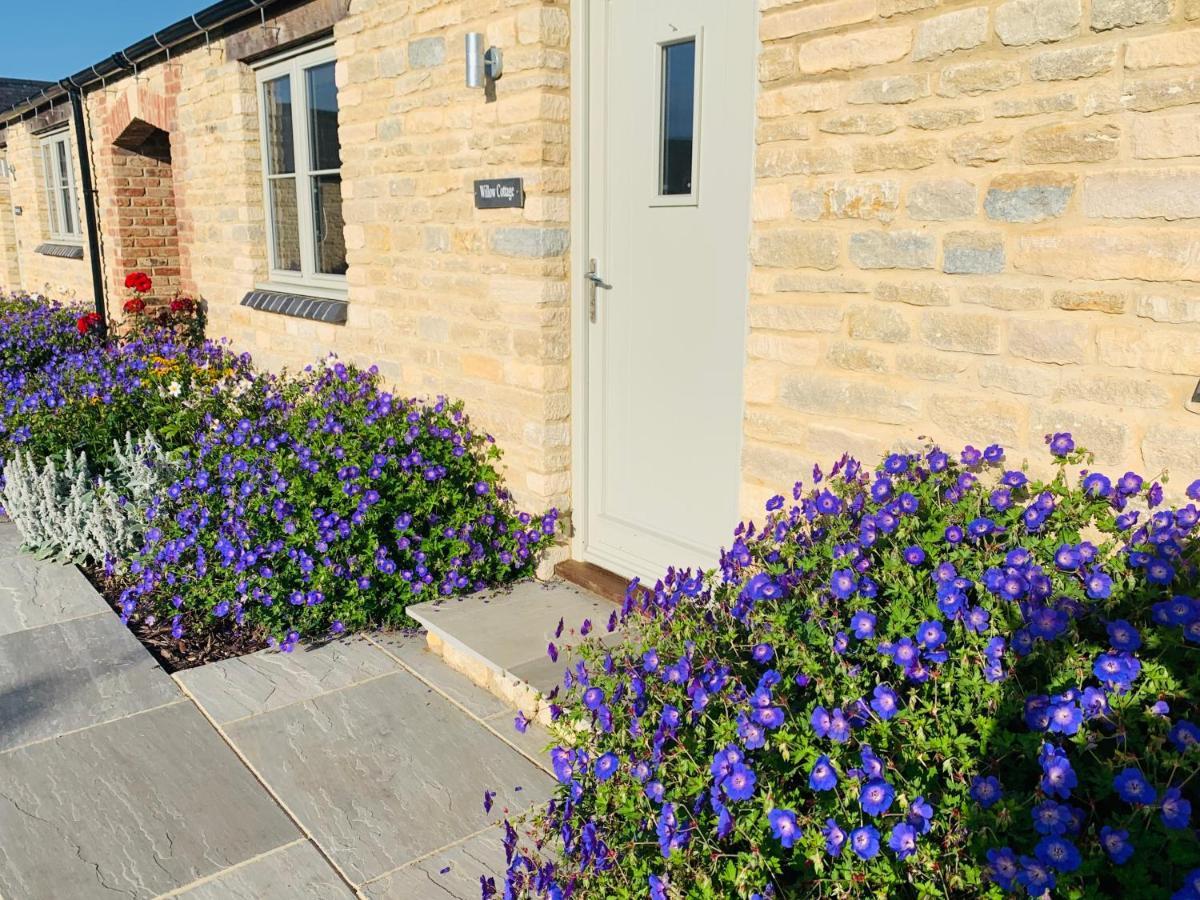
[499, 193]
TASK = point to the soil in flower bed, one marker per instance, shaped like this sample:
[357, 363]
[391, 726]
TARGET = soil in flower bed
[173, 654]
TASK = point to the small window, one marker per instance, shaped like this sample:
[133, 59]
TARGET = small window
[58, 172]
[678, 127]
[302, 170]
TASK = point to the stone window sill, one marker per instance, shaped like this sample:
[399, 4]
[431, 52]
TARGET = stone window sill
[299, 306]
[63, 251]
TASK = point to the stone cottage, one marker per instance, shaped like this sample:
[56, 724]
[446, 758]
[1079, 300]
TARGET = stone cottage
[670, 252]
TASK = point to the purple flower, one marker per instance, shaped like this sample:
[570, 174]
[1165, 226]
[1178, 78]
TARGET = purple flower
[1061, 444]
[1116, 844]
[876, 797]
[762, 653]
[1058, 853]
[886, 703]
[606, 766]
[863, 624]
[1175, 809]
[739, 783]
[864, 841]
[822, 776]
[985, 790]
[784, 826]
[903, 840]
[1132, 787]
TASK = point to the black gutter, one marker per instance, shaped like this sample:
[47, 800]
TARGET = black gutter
[125, 61]
[89, 206]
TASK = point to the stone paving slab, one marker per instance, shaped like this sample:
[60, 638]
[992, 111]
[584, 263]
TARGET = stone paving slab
[412, 651]
[250, 685]
[60, 678]
[386, 772]
[294, 872]
[533, 742]
[452, 873]
[36, 592]
[143, 805]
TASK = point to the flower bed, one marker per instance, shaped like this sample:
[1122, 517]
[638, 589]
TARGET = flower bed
[942, 678]
[278, 508]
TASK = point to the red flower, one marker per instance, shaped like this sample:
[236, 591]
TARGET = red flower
[135, 305]
[84, 324]
[181, 304]
[139, 282]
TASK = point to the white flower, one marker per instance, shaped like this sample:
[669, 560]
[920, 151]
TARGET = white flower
[174, 388]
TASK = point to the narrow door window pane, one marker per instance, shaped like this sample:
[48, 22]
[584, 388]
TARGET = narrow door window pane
[281, 150]
[328, 224]
[323, 118]
[51, 188]
[285, 224]
[678, 117]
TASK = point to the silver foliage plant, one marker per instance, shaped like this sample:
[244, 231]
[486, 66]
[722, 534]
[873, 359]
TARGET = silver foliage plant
[64, 511]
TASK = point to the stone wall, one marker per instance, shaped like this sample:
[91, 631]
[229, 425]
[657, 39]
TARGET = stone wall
[10, 271]
[70, 278]
[975, 221]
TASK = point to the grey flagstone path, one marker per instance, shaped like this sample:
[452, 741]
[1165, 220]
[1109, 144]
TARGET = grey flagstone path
[356, 768]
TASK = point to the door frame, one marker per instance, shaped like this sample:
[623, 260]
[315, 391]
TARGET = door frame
[581, 42]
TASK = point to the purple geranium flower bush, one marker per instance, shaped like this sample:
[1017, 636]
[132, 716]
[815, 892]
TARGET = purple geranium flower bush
[980, 684]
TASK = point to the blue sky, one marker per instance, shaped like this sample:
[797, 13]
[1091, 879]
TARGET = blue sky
[81, 32]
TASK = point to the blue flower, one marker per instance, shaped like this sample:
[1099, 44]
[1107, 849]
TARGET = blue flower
[920, 815]
[658, 888]
[903, 840]
[886, 703]
[1058, 853]
[876, 797]
[864, 841]
[1051, 818]
[1132, 787]
[1184, 735]
[1058, 778]
[931, 635]
[822, 777]
[1004, 867]
[1116, 844]
[762, 653]
[843, 584]
[1061, 444]
[1123, 636]
[593, 698]
[739, 783]
[1036, 876]
[784, 826]
[985, 790]
[1176, 810]
[606, 766]
[863, 624]
[835, 838]
[914, 555]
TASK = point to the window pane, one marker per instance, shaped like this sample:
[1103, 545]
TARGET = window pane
[51, 191]
[678, 124]
[64, 161]
[323, 118]
[285, 223]
[328, 224]
[281, 151]
[68, 212]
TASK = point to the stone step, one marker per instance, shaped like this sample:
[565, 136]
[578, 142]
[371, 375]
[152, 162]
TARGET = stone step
[499, 639]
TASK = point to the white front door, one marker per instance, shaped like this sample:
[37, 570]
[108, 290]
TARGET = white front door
[670, 113]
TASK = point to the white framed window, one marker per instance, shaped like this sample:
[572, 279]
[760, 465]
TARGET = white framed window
[62, 205]
[302, 171]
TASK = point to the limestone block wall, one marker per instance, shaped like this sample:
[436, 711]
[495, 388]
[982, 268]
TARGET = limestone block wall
[975, 221]
[67, 278]
[10, 276]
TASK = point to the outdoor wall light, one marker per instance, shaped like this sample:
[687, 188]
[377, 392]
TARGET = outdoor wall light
[482, 65]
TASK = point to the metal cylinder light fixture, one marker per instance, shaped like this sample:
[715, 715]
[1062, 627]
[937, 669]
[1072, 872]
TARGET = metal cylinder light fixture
[481, 64]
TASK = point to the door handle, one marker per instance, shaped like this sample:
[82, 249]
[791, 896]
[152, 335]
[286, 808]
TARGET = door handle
[594, 282]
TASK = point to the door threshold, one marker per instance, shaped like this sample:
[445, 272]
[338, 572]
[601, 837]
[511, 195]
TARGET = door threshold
[595, 579]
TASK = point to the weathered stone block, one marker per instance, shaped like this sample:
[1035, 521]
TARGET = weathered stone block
[874, 323]
[1023, 22]
[1159, 194]
[892, 89]
[838, 396]
[863, 200]
[820, 284]
[858, 358]
[941, 119]
[978, 418]
[534, 243]
[1000, 297]
[941, 367]
[1108, 14]
[1020, 378]
[799, 99]
[1182, 310]
[426, 53]
[1102, 434]
[1173, 448]
[1072, 63]
[961, 332]
[796, 351]
[791, 159]
[972, 253]
[959, 30]
[1050, 341]
[1034, 106]
[1070, 143]
[797, 249]
[942, 200]
[845, 52]
[1029, 197]
[913, 293]
[970, 79]
[1181, 48]
[880, 155]
[1159, 348]
[1115, 390]
[1112, 302]
[1151, 95]
[817, 17]
[1167, 136]
[889, 8]
[892, 250]
[859, 123]
[776, 61]
[980, 149]
[1112, 253]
